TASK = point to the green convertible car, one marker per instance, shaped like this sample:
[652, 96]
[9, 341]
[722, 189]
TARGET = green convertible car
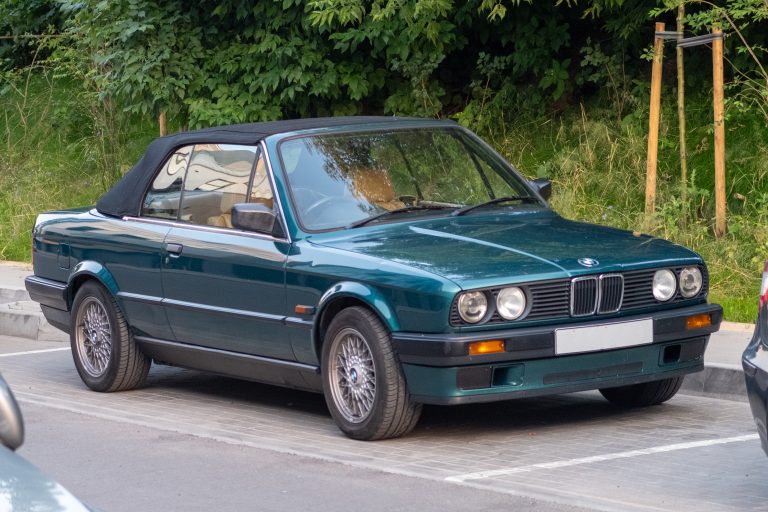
[386, 262]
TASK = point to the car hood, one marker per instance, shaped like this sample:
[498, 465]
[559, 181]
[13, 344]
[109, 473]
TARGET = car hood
[486, 250]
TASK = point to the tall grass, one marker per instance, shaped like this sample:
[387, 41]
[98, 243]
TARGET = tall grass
[61, 148]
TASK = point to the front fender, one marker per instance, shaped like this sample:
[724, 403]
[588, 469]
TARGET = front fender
[90, 270]
[364, 293]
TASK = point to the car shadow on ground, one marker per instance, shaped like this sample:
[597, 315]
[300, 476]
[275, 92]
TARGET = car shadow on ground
[529, 415]
[526, 415]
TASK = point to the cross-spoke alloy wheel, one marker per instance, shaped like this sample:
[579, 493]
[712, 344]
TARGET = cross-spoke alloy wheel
[363, 382]
[93, 336]
[354, 382]
[106, 356]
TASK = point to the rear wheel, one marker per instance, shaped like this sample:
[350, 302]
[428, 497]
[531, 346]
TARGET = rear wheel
[642, 395]
[363, 382]
[106, 356]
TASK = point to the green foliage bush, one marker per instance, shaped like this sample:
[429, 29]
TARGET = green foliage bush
[234, 61]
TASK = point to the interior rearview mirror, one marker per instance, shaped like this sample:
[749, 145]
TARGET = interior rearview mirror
[11, 422]
[543, 186]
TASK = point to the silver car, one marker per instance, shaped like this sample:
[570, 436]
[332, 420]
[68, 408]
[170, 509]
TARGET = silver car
[23, 487]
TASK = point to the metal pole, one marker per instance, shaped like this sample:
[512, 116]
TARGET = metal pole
[653, 124]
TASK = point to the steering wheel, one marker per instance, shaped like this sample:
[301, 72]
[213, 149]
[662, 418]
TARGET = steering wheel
[304, 195]
[317, 204]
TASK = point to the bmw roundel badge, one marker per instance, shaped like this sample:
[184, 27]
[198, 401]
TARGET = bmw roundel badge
[588, 262]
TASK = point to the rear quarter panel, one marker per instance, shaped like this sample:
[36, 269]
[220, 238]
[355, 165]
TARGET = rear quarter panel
[124, 256]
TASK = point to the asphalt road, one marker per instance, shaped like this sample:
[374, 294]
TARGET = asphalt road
[191, 441]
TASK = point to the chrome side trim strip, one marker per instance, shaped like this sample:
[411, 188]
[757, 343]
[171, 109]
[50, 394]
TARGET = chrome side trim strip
[136, 297]
[193, 306]
[299, 322]
[199, 227]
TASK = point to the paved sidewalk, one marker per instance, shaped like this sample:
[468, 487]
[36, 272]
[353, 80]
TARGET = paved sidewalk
[722, 378]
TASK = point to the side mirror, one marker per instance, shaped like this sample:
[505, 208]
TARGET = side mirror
[11, 422]
[254, 217]
[543, 186]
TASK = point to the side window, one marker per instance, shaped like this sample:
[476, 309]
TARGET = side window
[261, 190]
[162, 199]
[217, 178]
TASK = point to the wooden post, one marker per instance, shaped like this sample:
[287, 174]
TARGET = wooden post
[717, 78]
[163, 129]
[653, 124]
[681, 113]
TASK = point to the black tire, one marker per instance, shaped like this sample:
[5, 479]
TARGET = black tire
[106, 364]
[391, 412]
[643, 395]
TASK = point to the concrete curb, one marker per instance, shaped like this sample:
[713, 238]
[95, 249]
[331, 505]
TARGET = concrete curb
[717, 381]
[737, 327]
[19, 315]
[12, 295]
[16, 264]
[25, 320]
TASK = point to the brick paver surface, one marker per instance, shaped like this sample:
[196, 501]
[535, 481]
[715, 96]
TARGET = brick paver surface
[533, 447]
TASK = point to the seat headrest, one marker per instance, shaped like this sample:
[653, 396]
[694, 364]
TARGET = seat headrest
[373, 184]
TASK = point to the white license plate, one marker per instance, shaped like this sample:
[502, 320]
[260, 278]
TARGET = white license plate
[603, 337]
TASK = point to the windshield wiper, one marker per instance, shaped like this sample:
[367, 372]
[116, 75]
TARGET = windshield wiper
[525, 199]
[411, 208]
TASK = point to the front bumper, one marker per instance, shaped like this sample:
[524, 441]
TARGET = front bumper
[440, 371]
[755, 364]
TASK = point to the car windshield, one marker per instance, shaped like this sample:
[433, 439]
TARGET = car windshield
[341, 180]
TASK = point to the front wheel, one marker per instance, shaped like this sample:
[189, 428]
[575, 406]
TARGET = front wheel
[642, 395]
[106, 355]
[363, 383]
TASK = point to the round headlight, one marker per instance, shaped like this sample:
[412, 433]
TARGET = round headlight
[664, 285]
[690, 281]
[510, 303]
[473, 306]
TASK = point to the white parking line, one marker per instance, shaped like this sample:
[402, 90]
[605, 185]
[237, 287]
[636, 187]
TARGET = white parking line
[42, 351]
[599, 458]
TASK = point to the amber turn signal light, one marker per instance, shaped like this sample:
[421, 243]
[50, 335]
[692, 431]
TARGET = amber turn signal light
[486, 347]
[696, 321]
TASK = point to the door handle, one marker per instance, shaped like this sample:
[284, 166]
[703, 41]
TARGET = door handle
[174, 250]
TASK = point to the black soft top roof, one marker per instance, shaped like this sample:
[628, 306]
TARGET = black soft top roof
[124, 199]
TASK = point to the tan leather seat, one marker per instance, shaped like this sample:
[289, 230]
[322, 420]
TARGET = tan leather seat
[227, 202]
[221, 221]
[375, 186]
[261, 193]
